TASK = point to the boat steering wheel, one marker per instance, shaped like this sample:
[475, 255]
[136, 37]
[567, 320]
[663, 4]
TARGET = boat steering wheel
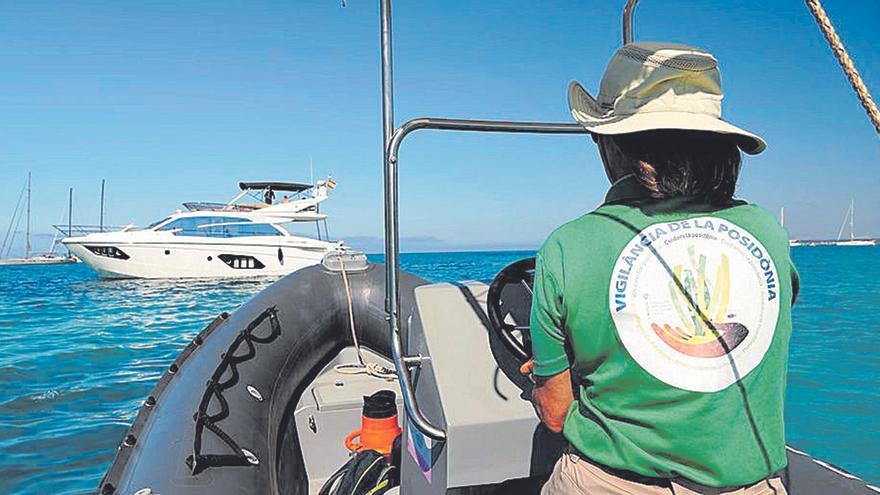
[508, 304]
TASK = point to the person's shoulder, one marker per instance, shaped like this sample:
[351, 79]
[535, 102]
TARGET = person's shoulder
[576, 233]
[755, 213]
[574, 228]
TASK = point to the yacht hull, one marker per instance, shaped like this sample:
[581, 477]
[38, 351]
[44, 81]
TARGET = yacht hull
[208, 258]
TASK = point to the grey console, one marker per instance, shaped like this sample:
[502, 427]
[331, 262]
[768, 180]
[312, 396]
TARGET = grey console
[493, 434]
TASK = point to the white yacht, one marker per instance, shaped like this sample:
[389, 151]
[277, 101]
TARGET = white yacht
[233, 239]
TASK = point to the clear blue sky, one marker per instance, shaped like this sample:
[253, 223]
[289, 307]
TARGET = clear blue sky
[177, 101]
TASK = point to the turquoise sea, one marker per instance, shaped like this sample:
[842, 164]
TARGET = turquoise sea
[79, 354]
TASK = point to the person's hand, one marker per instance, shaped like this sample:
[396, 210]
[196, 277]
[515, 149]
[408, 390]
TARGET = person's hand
[528, 370]
[552, 399]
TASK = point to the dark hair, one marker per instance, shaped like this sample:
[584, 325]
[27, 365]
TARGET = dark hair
[672, 163]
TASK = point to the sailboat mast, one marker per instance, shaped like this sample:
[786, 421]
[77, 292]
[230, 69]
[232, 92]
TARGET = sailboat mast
[70, 213]
[102, 205]
[852, 214]
[27, 238]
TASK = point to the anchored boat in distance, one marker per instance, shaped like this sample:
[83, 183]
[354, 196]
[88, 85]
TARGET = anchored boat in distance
[48, 258]
[841, 240]
[852, 241]
[243, 237]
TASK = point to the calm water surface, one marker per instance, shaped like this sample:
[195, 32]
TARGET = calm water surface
[80, 354]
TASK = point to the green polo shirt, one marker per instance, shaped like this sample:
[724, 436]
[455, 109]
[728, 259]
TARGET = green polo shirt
[674, 317]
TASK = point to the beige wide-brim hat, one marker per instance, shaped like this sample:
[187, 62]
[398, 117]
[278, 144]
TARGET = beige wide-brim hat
[649, 86]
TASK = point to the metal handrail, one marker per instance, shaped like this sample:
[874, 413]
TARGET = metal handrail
[392, 142]
[392, 236]
[628, 11]
[392, 288]
[85, 229]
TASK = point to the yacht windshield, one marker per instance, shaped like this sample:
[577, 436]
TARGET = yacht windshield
[219, 227]
[156, 223]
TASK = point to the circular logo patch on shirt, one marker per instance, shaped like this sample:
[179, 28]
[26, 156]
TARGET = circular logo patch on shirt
[695, 302]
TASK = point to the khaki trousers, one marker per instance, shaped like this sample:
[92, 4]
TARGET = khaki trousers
[573, 475]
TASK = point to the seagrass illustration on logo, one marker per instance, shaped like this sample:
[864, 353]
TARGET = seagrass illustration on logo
[695, 302]
[700, 301]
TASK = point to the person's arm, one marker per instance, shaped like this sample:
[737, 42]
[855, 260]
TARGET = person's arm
[552, 395]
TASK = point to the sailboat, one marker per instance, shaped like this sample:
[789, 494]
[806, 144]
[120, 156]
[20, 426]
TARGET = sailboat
[47, 258]
[852, 241]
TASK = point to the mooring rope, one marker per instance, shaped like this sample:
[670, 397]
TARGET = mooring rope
[361, 367]
[846, 62]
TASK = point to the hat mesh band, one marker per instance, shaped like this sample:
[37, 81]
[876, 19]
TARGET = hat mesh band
[684, 61]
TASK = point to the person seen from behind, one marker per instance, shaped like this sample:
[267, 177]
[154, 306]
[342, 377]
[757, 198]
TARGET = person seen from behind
[661, 320]
[269, 195]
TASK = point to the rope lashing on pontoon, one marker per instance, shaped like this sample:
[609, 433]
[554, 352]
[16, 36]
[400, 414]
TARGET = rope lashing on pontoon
[361, 367]
[849, 67]
[214, 389]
